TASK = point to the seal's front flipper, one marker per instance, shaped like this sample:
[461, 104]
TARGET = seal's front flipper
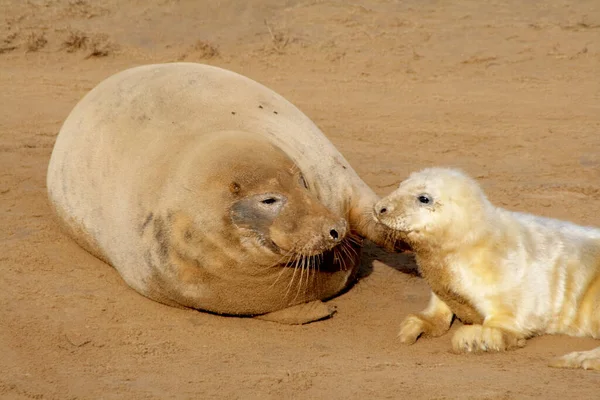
[579, 359]
[300, 314]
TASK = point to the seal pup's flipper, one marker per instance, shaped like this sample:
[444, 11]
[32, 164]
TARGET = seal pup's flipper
[301, 313]
[578, 359]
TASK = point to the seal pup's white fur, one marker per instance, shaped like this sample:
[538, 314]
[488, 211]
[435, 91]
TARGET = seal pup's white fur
[511, 275]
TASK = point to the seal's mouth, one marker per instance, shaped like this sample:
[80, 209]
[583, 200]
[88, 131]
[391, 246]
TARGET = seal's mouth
[314, 247]
[395, 221]
[340, 257]
[310, 272]
[299, 252]
[271, 245]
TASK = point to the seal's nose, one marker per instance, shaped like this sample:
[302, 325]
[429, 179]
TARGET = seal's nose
[336, 233]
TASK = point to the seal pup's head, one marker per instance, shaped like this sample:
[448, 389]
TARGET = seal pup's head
[435, 207]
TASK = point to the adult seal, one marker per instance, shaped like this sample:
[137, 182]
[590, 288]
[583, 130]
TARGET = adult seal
[205, 189]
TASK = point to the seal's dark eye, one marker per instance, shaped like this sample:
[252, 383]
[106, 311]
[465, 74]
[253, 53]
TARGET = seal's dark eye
[424, 199]
[270, 200]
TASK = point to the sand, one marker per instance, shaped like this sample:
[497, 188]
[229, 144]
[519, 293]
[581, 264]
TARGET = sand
[508, 91]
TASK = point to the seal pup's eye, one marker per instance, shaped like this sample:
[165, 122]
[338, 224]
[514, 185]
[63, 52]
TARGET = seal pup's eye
[270, 200]
[424, 198]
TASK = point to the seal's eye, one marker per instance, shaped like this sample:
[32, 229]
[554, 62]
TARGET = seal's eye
[424, 198]
[270, 200]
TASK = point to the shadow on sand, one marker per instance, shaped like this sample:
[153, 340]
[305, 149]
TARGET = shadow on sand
[403, 262]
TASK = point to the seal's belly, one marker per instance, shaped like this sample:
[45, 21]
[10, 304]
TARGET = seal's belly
[313, 278]
[256, 295]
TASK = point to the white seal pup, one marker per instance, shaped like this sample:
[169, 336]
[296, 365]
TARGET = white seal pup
[205, 189]
[509, 275]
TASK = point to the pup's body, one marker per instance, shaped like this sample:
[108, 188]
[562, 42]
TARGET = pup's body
[511, 275]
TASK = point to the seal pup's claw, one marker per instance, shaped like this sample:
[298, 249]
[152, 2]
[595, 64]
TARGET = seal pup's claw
[578, 359]
[301, 313]
[478, 338]
[411, 328]
[415, 326]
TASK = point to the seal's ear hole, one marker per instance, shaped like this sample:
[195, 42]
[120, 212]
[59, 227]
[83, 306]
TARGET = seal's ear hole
[270, 200]
[234, 187]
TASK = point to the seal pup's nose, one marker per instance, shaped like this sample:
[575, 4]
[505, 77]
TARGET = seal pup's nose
[382, 209]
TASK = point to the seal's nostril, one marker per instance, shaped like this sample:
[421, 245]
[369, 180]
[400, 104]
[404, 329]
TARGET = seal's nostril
[334, 234]
[383, 210]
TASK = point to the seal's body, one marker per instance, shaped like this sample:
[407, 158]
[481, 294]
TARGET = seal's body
[205, 189]
[511, 275]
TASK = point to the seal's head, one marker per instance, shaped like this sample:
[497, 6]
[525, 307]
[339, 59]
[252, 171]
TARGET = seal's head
[259, 233]
[435, 206]
[263, 197]
[270, 201]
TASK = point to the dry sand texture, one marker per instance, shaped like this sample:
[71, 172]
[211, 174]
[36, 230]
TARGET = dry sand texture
[507, 90]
